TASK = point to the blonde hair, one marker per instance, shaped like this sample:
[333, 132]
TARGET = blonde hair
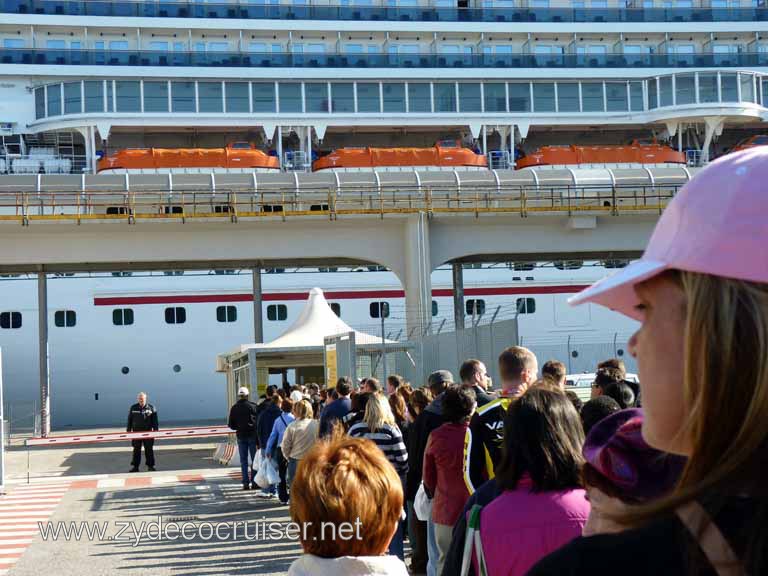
[725, 382]
[378, 413]
[303, 409]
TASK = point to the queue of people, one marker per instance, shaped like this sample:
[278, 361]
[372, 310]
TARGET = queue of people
[661, 478]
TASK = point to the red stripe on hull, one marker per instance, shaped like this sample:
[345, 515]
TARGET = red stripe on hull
[330, 295]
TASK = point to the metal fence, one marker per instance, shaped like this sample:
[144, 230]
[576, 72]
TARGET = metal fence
[446, 350]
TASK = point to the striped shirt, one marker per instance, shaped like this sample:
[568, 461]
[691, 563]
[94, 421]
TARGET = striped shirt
[389, 439]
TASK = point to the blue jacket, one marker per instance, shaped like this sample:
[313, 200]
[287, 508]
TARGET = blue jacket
[265, 422]
[278, 429]
[336, 410]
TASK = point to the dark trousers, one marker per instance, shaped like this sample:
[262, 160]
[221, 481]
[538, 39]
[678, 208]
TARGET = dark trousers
[246, 447]
[149, 452]
[417, 534]
[282, 469]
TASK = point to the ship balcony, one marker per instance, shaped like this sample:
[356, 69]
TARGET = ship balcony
[428, 12]
[69, 57]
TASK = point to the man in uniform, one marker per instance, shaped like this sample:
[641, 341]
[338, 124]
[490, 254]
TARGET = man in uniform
[142, 418]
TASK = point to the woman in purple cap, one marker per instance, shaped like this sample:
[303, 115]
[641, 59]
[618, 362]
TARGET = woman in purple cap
[701, 293]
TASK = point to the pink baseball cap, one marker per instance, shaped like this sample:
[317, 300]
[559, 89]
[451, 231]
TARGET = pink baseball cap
[717, 224]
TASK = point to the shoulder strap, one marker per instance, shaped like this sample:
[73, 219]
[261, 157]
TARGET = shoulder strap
[711, 541]
[283, 420]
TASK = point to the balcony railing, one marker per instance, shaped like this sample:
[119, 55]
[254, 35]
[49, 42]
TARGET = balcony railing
[416, 14]
[32, 56]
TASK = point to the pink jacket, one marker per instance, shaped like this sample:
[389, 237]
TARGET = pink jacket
[520, 527]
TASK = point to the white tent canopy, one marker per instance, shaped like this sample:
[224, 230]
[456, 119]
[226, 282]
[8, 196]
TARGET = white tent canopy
[316, 321]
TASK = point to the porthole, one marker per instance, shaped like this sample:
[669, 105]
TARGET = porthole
[620, 352]
[125, 370]
[176, 368]
[575, 354]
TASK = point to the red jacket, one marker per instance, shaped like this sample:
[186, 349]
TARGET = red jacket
[443, 474]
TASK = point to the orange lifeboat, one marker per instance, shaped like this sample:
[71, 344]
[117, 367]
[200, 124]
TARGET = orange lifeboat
[444, 155]
[236, 155]
[634, 153]
[751, 142]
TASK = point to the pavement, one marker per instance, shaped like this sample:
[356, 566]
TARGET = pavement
[148, 523]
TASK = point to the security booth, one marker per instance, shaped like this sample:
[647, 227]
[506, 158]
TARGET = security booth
[304, 347]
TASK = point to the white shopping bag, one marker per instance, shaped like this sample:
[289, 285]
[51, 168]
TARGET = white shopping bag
[422, 504]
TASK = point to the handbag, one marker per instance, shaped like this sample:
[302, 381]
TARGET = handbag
[257, 461]
[273, 476]
[422, 504]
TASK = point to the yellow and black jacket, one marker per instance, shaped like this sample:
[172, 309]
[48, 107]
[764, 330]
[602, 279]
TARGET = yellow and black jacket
[482, 442]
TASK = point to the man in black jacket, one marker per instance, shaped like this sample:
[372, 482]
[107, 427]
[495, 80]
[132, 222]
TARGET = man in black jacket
[266, 420]
[473, 374]
[242, 419]
[142, 418]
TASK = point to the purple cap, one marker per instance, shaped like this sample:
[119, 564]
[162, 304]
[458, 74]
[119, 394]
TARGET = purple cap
[715, 225]
[616, 450]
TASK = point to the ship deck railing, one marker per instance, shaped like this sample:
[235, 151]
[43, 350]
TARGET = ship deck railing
[234, 205]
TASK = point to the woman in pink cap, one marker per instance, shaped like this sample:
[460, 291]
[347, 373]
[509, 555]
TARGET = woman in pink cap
[701, 293]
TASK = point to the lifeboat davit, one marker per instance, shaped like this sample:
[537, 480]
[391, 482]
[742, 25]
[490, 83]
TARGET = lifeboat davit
[633, 153]
[236, 155]
[443, 155]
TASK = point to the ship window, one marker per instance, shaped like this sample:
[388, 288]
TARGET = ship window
[568, 264]
[53, 94]
[394, 97]
[122, 316]
[707, 87]
[419, 98]
[237, 96]
[40, 102]
[336, 307]
[379, 309]
[592, 97]
[685, 89]
[475, 307]
[182, 96]
[155, 96]
[122, 274]
[127, 92]
[209, 95]
[653, 94]
[469, 98]
[519, 97]
[277, 312]
[290, 97]
[264, 97]
[10, 320]
[747, 87]
[567, 97]
[495, 95]
[435, 308]
[176, 315]
[342, 97]
[118, 210]
[543, 97]
[665, 91]
[222, 208]
[94, 96]
[524, 266]
[316, 96]
[445, 97]
[616, 93]
[368, 99]
[226, 313]
[636, 96]
[73, 100]
[526, 305]
[173, 209]
[65, 318]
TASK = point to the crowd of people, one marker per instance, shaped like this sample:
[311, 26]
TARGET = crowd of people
[665, 477]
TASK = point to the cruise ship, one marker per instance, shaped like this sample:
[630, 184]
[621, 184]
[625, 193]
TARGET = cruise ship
[275, 89]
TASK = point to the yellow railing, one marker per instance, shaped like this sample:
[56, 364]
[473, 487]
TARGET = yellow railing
[183, 205]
